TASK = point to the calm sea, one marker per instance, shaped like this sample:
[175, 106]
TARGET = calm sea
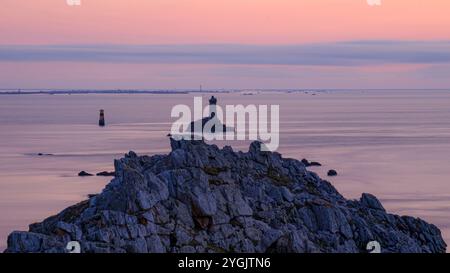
[394, 144]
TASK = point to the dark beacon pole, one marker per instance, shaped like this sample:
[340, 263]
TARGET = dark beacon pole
[101, 121]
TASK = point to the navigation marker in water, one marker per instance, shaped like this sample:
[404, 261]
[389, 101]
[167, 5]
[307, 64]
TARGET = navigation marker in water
[101, 121]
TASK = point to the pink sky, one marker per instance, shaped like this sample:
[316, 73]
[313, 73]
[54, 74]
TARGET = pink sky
[219, 21]
[179, 22]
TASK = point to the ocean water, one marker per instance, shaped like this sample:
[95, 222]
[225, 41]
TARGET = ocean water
[394, 144]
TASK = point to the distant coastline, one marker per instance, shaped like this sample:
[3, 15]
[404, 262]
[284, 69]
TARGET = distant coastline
[248, 91]
[70, 92]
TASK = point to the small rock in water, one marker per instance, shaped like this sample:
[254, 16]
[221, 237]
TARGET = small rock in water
[83, 173]
[309, 164]
[105, 173]
[305, 162]
[332, 173]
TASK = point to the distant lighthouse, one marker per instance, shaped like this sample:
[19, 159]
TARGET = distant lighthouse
[212, 106]
[101, 121]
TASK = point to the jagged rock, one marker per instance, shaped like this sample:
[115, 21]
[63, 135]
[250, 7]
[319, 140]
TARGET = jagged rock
[371, 201]
[200, 198]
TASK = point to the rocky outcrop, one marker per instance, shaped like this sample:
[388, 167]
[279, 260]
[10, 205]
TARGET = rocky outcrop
[200, 198]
